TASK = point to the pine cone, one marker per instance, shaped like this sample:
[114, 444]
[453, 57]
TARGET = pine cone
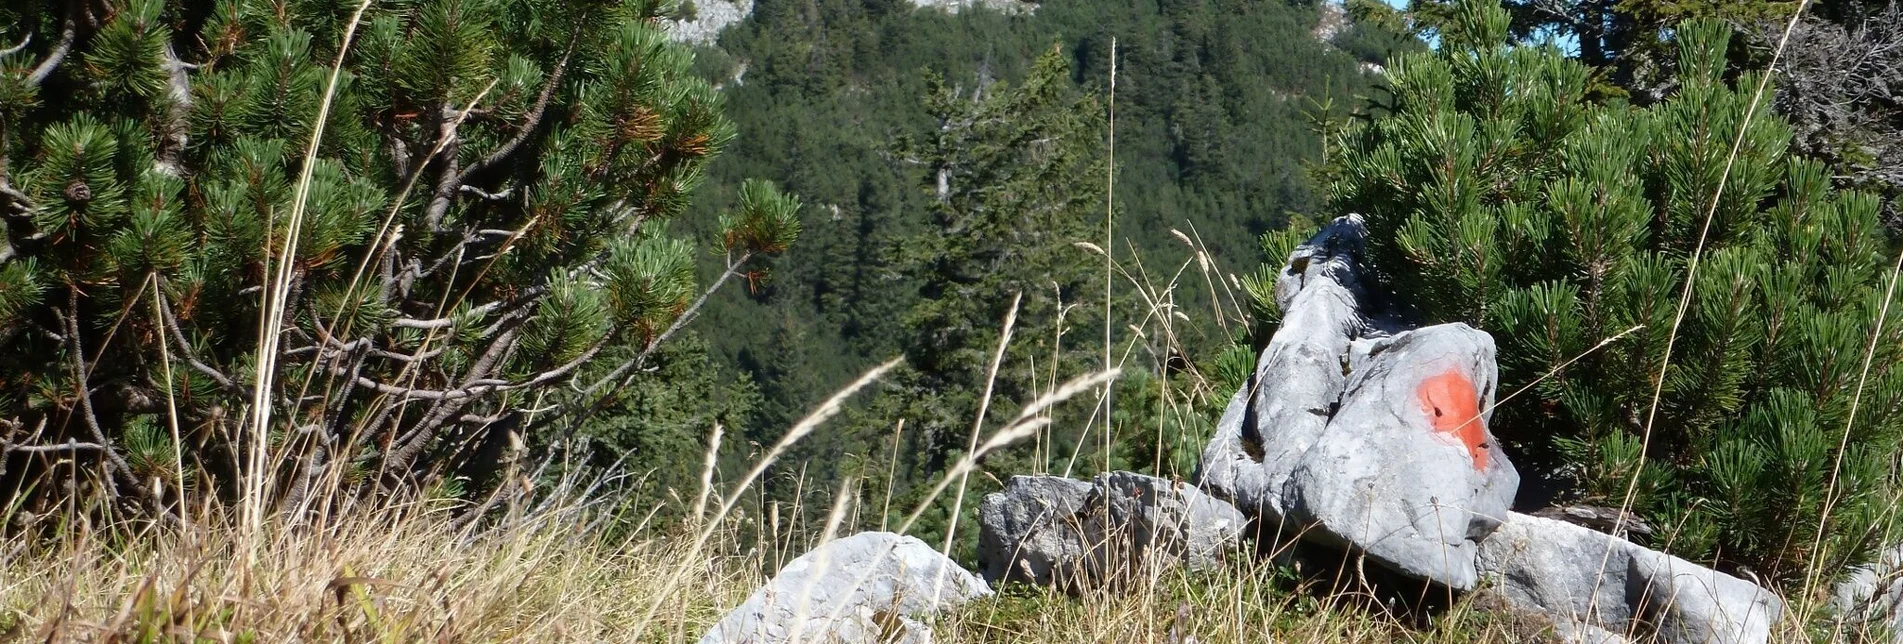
[78, 192]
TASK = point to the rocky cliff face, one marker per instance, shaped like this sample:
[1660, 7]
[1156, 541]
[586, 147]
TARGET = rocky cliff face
[710, 18]
[953, 6]
[714, 16]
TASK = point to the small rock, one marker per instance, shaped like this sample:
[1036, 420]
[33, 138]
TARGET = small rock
[1570, 632]
[1051, 530]
[1032, 531]
[869, 587]
[1573, 574]
[1872, 595]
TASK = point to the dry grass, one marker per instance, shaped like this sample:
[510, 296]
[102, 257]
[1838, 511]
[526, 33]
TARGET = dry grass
[404, 573]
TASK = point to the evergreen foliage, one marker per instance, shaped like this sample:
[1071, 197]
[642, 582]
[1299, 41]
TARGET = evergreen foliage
[1213, 98]
[484, 234]
[1500, 196]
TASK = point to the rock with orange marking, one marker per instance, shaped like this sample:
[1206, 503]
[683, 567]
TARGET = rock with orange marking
[1407, 471]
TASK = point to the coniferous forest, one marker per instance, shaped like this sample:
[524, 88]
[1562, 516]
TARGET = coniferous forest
[617, 320]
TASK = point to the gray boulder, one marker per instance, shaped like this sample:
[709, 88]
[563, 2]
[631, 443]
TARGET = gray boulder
[1053, 530]
[1408, 472]
[1691, 604]
[1870, 598]
[1361, 439]
[869, 587]
[1284, 408]
[1573, 574]
[1155, 521]
[1033, 531]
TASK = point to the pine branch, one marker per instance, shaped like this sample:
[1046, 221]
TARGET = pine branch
[455, 179]
[622, 371]
[115, 461]
[534, 120]
[733, 268]
[185, 348]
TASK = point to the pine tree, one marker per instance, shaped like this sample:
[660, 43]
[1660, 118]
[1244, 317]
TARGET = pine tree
[482, 226]
[1498, 194]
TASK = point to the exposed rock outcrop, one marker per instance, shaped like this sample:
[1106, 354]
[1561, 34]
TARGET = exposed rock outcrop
[869, 587]
[1053, 530]
[710, 18]
[1596, 581]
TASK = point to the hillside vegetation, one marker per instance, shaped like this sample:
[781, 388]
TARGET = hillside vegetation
[475, 320]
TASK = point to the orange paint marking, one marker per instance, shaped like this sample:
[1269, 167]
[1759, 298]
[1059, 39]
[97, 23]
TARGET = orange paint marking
[1450, 402]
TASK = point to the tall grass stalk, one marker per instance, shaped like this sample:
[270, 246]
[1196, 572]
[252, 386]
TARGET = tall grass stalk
[275, 297]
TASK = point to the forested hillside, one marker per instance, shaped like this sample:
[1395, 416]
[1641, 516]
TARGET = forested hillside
[1219, 107]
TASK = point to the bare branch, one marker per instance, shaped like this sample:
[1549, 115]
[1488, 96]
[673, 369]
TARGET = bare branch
[14, 196]
[484, 386]
[534, 119]
[68, 32]
[185, 348]
[454, 178]
[501, 195]
[69, 446]
[84, 390]
[16, 48]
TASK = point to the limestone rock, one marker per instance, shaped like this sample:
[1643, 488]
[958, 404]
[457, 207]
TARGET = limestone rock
[1871, 596]
[1576, 633]
[1164, 522]
[1361, 436]
[869, 587]
[1284, 407]
[1573, 574]
[1053, 530]
[710, 18]
[1033, 530]
[1553, 568]
[1691, 604]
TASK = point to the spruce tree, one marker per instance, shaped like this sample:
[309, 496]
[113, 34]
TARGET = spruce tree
[1499, 195]
[483, 231]
[1016, 177]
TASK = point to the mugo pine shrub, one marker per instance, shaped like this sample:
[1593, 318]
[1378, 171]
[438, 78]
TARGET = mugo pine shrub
[484, 234]
[1500, 196]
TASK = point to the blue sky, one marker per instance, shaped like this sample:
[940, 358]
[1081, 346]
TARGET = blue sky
[1565, 43]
